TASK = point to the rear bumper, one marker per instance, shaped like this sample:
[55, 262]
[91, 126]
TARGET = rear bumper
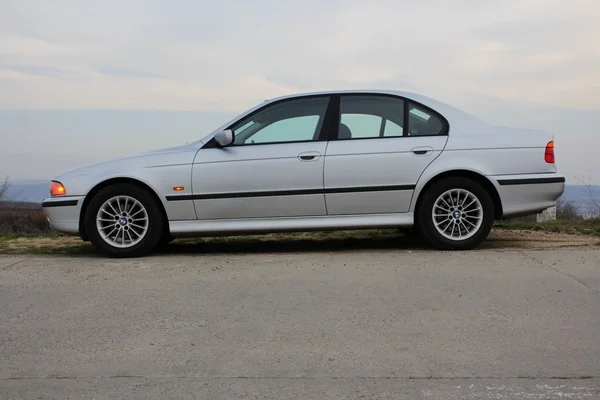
[528, 194]
[63, 213]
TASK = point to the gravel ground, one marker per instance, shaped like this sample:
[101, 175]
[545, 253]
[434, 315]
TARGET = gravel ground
[399, 323]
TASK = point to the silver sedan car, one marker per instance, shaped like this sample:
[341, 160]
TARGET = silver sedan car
[316, 161]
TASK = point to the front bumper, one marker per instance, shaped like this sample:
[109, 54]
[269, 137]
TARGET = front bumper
[63, 213]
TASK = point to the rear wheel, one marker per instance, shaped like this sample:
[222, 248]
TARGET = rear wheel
[124, 220]
[456, 214]
[163, 243]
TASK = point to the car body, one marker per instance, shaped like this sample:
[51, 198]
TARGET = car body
[318, 161]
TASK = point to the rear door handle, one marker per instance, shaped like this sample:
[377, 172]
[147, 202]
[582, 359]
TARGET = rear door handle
[423, 150]
[309, 156]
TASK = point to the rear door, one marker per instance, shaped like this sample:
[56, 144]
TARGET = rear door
[382, 145]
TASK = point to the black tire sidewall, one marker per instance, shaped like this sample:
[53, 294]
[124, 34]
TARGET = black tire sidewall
[155, 220]
[426, 222]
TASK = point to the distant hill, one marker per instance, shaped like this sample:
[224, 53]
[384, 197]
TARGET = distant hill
[585, 198]
[28, 191]
[582, 196]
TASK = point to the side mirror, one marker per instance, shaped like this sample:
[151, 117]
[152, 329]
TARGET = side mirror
[224, 138]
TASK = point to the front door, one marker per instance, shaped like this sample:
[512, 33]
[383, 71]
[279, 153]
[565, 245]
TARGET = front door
[274, 168]
[375, 162]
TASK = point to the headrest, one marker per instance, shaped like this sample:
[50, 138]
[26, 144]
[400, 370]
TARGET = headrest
[345, 132]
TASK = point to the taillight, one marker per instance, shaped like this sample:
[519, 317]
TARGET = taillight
[549, 154]
[57, 189]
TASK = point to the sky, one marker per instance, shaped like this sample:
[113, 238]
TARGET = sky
[85, 81]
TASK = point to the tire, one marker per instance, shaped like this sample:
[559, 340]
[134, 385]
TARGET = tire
[410, 232]
[163, 243]
[447, 230]
[166, 239]
[142, 229]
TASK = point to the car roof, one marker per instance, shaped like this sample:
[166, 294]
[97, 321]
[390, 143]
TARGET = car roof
[455, 116]
[460, 122]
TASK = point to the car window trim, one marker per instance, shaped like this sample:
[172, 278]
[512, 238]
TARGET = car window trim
[382, 126]
[334, 133]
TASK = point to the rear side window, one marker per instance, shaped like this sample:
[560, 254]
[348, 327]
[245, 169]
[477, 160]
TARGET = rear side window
[377, 116]
[422, 122]
[370, 116]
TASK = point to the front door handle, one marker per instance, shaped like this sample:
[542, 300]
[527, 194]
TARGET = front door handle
[309, 156]
[423, 150]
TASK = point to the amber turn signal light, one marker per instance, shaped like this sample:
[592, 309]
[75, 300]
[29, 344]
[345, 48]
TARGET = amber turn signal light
[178, 188]
[57, 189]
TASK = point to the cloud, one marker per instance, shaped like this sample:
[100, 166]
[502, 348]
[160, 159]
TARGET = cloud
[227, 56]
[31, 70]
[532, 63]
[127, 72]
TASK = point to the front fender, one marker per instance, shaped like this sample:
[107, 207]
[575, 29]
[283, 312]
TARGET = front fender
[159, 172]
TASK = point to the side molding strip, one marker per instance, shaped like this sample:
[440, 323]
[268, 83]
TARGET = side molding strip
[530, 181]
[235, 195]
[59, 203]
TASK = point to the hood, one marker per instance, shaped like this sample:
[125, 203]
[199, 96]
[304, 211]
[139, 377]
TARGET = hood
[144, 159]
[174, 149]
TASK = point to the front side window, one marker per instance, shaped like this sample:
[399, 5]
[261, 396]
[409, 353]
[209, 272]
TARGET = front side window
[296, 120]
[370, 116]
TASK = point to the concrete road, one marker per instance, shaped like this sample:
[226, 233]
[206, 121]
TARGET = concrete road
[310, 325]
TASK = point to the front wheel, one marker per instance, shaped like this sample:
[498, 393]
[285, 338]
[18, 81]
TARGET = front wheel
[124, 220]
[456, 214]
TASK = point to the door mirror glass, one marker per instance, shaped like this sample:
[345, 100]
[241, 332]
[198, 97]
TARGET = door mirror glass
[224, 138]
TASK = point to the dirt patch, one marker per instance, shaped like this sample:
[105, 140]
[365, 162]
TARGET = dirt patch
[500, 239]
[525, 239]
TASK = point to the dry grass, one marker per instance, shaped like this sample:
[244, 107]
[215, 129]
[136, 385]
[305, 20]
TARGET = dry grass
[16, 218]
[566, 211]
[363, 240]
[20, 217]
[47, 243]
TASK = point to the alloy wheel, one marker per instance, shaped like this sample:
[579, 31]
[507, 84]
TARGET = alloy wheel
[122, 221]
[457, 214]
